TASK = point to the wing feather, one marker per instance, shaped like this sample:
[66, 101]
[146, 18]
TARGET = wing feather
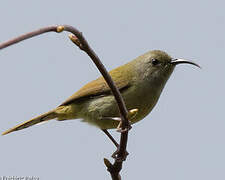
[100, 87]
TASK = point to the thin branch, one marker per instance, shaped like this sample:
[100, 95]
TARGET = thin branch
[28, 35]
[81, 42]
[110, 137]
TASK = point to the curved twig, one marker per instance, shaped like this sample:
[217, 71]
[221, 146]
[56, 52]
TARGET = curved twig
[81, 42]
[28, 35]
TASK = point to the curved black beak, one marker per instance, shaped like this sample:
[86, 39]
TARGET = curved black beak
[183, 61]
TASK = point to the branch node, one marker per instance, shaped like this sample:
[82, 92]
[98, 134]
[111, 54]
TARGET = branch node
[117, 158]
[60, 29]
[113, 169]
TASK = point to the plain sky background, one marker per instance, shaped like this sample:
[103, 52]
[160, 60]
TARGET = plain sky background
[183, 137]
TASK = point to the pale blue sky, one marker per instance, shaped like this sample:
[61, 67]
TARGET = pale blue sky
[183, 137]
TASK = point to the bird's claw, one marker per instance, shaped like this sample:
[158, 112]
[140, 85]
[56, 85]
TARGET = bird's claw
[130, 115]
[120, 130]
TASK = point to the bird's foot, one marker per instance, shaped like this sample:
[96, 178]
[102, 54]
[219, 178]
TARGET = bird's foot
[130, 115]
[120, 130]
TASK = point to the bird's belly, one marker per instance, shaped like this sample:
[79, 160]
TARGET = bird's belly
[95, 110]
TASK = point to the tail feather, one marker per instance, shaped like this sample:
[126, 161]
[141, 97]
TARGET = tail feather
[44, 117]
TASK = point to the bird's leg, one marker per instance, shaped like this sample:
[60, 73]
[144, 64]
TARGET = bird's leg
[118, 128]
[114, 155]
[130, 115]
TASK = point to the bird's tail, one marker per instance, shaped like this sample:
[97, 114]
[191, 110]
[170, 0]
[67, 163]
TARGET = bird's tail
[44, 117]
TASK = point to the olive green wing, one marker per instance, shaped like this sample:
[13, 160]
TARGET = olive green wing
[99, 86]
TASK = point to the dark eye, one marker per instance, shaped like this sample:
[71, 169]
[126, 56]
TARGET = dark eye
[155, 61]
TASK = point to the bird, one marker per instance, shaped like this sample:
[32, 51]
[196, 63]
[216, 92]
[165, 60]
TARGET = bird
[139, 81]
